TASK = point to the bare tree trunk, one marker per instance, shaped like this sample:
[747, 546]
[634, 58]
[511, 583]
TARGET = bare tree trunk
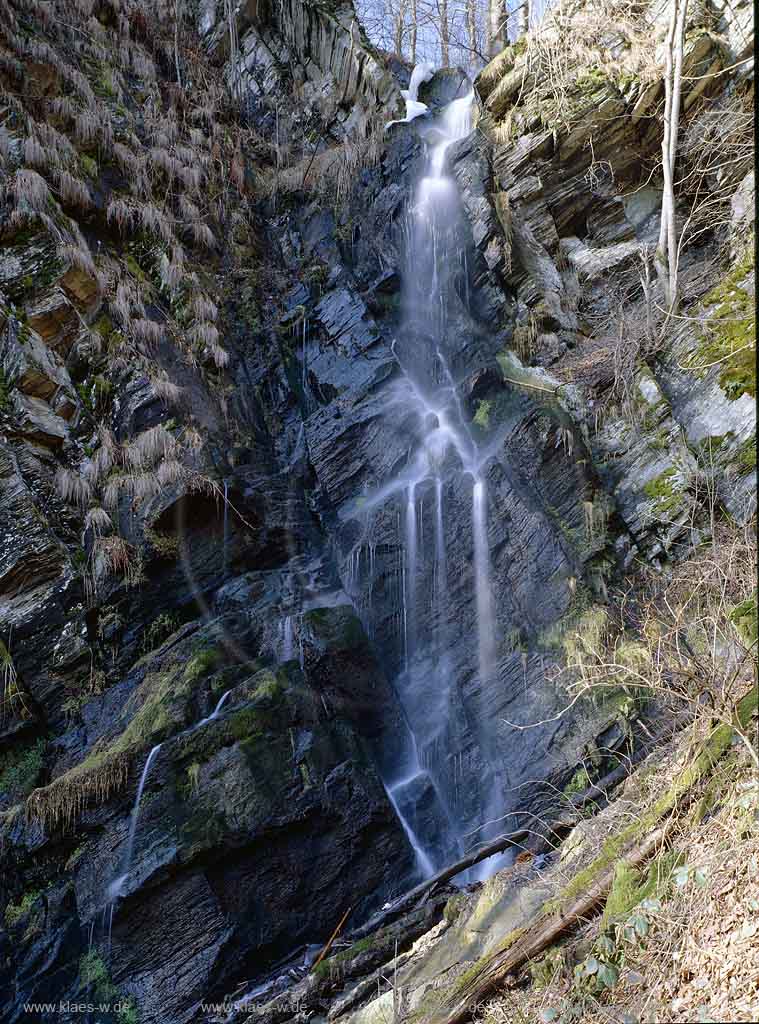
[413, 29]
[543, 933]
[445, 33]
[471, 27]
[523, 25]
[234, 51]
[400, 24]
[496, 27]
[666, 251]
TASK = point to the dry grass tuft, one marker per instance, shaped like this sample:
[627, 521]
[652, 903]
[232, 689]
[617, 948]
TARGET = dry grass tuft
[59, 805]
[697, 958]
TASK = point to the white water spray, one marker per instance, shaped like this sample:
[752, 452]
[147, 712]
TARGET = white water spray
[485, 621]
[428, 795]
[114, 889]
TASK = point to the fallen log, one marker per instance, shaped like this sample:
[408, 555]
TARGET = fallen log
[424, 889]
[597, 793]
[486, 977]
[547, 929]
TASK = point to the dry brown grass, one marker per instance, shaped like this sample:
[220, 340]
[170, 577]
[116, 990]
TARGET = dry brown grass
[59, 805]
[328, 172]
[612, 40]
[678, 642]
[675, 640]
[698, 958]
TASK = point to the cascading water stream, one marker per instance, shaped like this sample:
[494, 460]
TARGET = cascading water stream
[485, 623]
[425, 789]
[411, 552]
[114, 889]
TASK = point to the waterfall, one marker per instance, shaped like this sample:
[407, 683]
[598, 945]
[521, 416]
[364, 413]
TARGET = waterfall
[427, 790]
[485, 623]
[114, 889]
[287, 638]
[216, 711]
[411, 560]
[441, 566]
[226, 528]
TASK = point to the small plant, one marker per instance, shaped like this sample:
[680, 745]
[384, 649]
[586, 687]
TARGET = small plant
[579, 782]
[10, 694]
[15, 911]
[93, 971]
[159, 630]
[21, 770]
[164, 544]
[193, 777]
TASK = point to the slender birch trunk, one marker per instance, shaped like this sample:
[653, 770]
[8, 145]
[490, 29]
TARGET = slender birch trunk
[496, 27]
[471, 28]
[445, 30]
[400, 24]
[523, 24]
[666, 251]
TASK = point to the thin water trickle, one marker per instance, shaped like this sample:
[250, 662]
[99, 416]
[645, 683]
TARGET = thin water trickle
[216, 711]
[113, 892]
[115, 888]
[411, 558]
[287, 638]
[441, 566]
[485, 623]
[424, 865]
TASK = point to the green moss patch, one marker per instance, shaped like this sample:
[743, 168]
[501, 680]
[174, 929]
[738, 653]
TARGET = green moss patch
[338, 627]
[664, 493]
[631, 886]
[728, 340]
[201, 663]
[744, 618]
[95, 978]
[745, 457]
[344, 956]
[14, 912]
[578, 783]
[482, 416]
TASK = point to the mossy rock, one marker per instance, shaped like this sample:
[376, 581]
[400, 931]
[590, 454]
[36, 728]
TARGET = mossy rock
[728, 340]
[631, 886]
[744, 618]
[161, 706]
[339, 628]
[745, 456]
[20, 768]
[663, 491]
[613, 849]
[16, 912]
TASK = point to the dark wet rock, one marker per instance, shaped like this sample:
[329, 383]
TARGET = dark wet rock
[260, 828]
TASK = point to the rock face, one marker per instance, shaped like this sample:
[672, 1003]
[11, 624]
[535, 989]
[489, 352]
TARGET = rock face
[261, 582]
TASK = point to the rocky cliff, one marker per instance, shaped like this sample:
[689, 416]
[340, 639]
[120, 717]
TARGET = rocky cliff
[202, 243]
